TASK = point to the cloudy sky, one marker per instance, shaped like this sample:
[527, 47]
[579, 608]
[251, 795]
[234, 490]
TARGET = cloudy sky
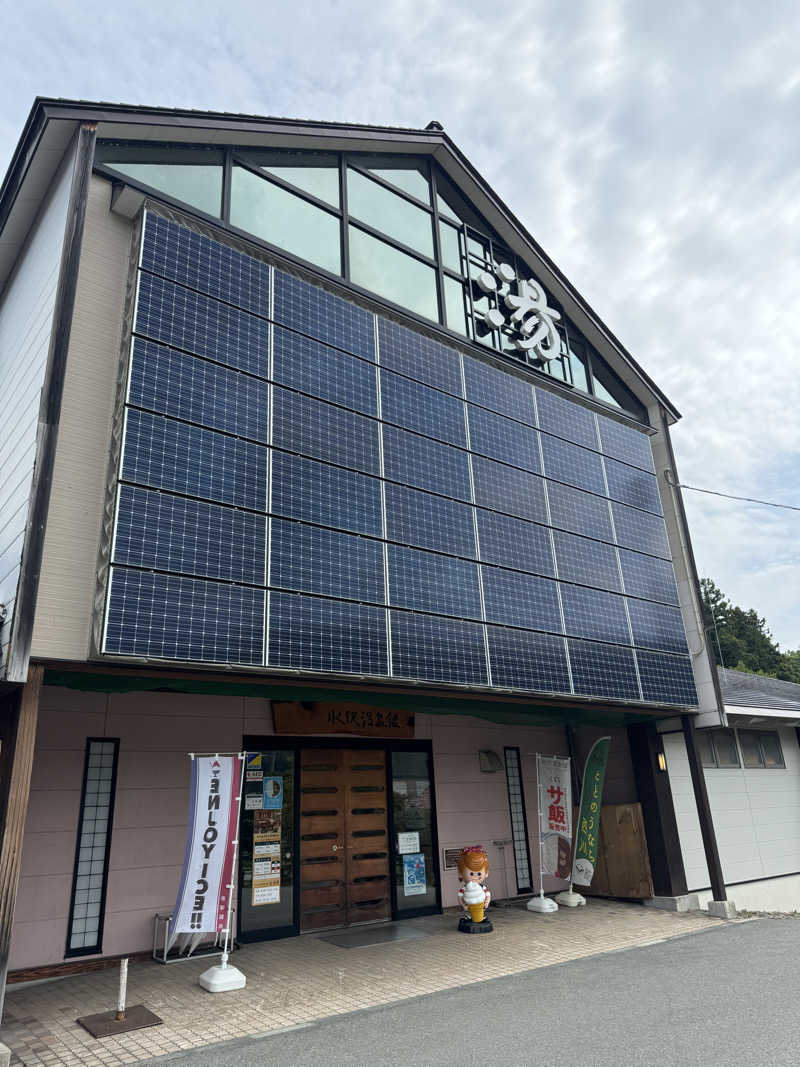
[652, 149]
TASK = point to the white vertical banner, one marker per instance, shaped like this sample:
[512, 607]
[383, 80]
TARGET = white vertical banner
[555, 816]
[204, 893]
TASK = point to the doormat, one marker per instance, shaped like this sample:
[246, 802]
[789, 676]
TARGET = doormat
[373, 935]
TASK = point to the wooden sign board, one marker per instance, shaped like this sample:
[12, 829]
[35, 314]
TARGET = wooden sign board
[324, 718]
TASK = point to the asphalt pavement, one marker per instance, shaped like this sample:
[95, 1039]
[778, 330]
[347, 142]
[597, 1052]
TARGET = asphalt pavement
[727, 996]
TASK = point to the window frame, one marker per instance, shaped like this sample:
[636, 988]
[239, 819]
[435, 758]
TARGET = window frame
[241, 155]
[97, 948]
[762, 764]
[710, 735]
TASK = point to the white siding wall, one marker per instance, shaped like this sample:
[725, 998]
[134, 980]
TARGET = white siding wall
[756, 816]
[26, 317]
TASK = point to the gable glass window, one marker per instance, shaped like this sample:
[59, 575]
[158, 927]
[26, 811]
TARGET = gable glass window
[193, 175]
[718, 748]
[87, 908]
[394, 225]
[761, 748]
[284, 219]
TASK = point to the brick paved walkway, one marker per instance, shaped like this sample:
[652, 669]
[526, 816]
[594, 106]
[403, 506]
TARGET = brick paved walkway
[304, 978]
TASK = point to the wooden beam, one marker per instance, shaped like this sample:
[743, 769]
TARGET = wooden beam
[21, 738]
[703, 809]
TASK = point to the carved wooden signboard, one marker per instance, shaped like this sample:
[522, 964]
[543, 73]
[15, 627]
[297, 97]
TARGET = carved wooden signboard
[325, 718]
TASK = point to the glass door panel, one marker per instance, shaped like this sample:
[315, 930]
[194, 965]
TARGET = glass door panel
[415, 878]
[266, 846]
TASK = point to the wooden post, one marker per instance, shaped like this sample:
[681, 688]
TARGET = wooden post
[703, 810]
[21, 738]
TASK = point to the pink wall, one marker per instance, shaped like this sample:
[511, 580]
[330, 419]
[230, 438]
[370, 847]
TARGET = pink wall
[155, 731]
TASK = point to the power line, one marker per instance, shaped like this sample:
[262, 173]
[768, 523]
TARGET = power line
[747, 499]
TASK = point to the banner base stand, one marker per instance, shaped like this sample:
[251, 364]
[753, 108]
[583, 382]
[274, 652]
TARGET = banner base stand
[222, 979]
[543, 905]
[570, 899]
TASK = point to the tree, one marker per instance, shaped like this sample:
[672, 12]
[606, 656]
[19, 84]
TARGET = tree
[740, 638]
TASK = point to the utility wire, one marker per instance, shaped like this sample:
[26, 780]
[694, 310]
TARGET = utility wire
[747, 499]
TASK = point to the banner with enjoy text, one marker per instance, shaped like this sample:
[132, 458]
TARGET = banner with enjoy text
[207, 877]
[588, 838]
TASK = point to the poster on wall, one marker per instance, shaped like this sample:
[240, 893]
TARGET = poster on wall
[207, 877]
[555, 816]
[273, 794]
[266, 857]
[414, 882]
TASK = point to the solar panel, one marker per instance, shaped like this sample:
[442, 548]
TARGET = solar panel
[647, 577]
[416, 518]
[320, 314]
[514, 543]
[640, 530]
[440, 650]
[504, 439]
[416, 407]
[161, 616]
[184, 319]
[185, 387]
[171, 455]
[309, 559]
[521, 600]
[197, 261]
[508, 489]
[159, 531]
[425, 464]
[425, 581]
[594, 613]
[657, 626]
[633, 486]
[565, 418]
[587, 562]
[625, 443]
[603, 670]
[572, 464]
[419, 357]
[523, 660]
[666, 679]
[324, 372]
[499, 391]
[322, 431]
[326, 635]
[305, 489]
[572, 509]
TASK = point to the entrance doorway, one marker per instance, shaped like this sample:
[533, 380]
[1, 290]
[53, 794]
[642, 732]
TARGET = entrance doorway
[344, 837]
[335, 833]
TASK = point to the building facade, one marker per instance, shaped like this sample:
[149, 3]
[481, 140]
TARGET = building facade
[310, 451]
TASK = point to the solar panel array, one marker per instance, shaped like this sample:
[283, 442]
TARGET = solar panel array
[306, 485]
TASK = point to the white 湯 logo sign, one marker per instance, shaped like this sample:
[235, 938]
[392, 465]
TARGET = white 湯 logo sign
[521, 307]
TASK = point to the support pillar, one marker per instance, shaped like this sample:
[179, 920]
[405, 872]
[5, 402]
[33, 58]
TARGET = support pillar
[703, 809]
[658, 812]
[19, 736]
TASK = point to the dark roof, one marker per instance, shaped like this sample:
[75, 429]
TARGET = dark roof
[756, 691]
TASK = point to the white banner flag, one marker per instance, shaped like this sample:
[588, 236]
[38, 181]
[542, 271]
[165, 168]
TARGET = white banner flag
[203, 896]
[555, 816]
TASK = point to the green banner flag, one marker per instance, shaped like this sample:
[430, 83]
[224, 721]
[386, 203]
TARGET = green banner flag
[588, 835]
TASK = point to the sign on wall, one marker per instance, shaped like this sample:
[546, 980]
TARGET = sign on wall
[326, 718]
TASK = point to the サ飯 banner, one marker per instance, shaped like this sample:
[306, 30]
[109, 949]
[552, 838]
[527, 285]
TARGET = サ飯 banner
[555, 816]
[588, 837]
[207, 878]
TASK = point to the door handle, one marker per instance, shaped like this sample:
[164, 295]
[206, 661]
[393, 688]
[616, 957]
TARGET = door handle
[334, 848]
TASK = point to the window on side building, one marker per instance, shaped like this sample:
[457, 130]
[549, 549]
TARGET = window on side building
[761, 748]
[718, 748]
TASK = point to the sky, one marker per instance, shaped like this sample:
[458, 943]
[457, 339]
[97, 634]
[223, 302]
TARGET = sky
[651, 149]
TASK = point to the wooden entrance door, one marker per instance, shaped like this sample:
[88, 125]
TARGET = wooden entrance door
[344, 838]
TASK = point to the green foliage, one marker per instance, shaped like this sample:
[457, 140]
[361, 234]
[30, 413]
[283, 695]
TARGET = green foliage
[740, 639]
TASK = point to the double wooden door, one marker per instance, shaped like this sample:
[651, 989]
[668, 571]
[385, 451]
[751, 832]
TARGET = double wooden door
[344, 837]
